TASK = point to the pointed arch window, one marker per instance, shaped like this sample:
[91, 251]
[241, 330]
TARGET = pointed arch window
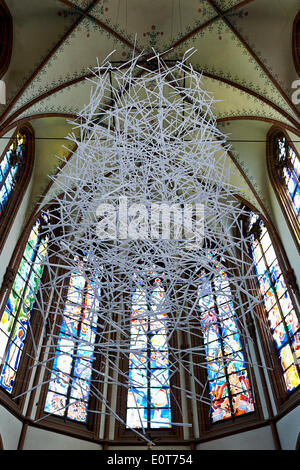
[19, 304]
[228, 380]
[280, 309]
[70, 381]
[15, 170]
[148, 399]
[10, 168]
[284, 170]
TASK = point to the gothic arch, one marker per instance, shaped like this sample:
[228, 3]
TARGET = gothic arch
[160, 433]
[80, 422]
[234, 419]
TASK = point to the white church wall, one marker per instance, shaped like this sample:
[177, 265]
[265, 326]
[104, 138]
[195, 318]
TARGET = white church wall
[249, 150]
[14, 233]
[256, 439]
[288, 429]
[40, 439]
[5, 139]
[10, 429]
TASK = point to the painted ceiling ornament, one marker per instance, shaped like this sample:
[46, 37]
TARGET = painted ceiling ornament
[147, 218]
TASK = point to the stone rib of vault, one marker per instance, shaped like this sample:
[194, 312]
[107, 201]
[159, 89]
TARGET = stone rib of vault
[148, 135]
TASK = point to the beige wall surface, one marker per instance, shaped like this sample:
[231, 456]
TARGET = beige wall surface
[39, 439]
[10, 429]
[257, 439]
[289, 429]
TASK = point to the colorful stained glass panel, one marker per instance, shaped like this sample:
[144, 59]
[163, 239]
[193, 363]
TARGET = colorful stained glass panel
[17, 313]
[148, 406]
[74, 352]
[226, 370]
[282, 318]
[160, 418]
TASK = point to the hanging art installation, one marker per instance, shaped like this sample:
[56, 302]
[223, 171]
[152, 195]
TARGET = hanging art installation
[144, 275]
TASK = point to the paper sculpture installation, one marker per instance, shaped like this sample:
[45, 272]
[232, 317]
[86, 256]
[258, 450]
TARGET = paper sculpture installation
[144, 288]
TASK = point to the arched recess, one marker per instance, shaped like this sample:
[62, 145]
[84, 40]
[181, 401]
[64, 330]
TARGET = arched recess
[18, 313]
[277, 317]
[16, 168]
[149, 394]
[296, 42]
[233, 389]
[6, 37]
[69, 391]
[283, 164]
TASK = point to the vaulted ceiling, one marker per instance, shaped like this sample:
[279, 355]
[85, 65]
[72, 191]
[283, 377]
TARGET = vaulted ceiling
[243, 49]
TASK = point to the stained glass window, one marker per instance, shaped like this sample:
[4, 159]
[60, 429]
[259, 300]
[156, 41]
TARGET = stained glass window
[17, 312]
[10, 169]
[148, 400]
[70, 381]
[229, 385]
[282, 318]
[288, 164]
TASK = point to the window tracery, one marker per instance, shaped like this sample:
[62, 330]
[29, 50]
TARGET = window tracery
[18, 307]
[16, 166]
[148, 399]
[228, 381]
[279, 307]
[10, 169]
[70, 381]
[284, 170]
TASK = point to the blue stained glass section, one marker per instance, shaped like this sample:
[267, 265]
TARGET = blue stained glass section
[160, 418]
[149, 404]
[9, 169]
[297, 199]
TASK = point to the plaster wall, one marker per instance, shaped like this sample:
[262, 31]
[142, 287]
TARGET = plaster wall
[10, 429]
[256, 439]
[5, 139]
[40, 439]
[289, 429]
[15, 232]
